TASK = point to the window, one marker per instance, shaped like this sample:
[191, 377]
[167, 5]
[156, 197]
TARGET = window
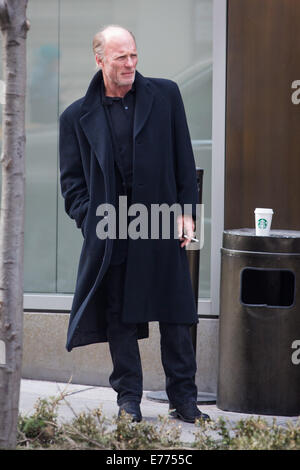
[174, 40]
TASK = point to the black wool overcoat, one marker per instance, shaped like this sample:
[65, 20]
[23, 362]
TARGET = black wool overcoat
[157, 285]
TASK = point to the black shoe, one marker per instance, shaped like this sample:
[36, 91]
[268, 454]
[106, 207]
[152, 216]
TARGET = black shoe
[132, 408]
[188, 412]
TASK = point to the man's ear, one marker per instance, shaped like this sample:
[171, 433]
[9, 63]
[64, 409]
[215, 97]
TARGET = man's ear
[98, 61]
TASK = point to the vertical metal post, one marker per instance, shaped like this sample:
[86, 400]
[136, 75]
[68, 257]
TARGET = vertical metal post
[194, 260]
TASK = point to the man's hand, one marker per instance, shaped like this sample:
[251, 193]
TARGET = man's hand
[185, 226]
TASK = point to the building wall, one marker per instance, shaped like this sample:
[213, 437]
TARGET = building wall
[262, 121]
[45, 356]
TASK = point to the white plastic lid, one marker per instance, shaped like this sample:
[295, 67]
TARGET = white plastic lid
[262, 210]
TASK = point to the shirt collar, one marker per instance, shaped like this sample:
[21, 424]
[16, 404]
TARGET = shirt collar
[108, 100]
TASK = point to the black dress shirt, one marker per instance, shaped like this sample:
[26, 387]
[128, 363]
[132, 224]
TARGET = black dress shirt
[120, 116]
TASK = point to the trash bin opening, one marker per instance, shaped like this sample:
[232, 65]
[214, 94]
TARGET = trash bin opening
[267, 287]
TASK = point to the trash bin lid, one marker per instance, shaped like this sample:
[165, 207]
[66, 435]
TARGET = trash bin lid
[279, 241]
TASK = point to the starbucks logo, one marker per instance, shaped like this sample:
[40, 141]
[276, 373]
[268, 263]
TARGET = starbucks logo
[262, 223]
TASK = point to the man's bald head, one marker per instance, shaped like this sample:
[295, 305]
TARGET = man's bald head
[115, 53]
[108, 33]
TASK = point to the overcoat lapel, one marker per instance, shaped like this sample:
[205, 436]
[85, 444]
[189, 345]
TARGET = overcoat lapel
[143, 104]
[96, 130]
[94, 124]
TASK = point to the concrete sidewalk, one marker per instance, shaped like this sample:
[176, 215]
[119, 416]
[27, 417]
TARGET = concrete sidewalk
[86, 398]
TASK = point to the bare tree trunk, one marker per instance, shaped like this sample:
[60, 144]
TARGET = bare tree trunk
[14, 28]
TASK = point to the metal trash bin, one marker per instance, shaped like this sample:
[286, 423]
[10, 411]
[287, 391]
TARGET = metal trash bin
[259, 323]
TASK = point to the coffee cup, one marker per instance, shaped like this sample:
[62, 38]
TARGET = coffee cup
[263, 220]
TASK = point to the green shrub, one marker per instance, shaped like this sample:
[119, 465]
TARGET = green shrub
[90, 430]
[41, 427]
[247, 434]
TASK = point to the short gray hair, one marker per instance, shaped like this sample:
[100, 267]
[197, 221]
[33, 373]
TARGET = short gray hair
[99, 39]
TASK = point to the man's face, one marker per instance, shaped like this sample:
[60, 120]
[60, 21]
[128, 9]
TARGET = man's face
[120, 59]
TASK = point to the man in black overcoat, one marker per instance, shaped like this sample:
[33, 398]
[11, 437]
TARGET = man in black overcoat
[128, 138]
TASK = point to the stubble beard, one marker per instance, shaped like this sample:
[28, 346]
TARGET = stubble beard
[125, 82]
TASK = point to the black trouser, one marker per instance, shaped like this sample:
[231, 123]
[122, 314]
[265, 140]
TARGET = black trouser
[177, 352]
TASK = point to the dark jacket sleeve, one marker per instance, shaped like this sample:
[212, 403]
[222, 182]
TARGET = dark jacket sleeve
[186, 175]
[72, 180]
